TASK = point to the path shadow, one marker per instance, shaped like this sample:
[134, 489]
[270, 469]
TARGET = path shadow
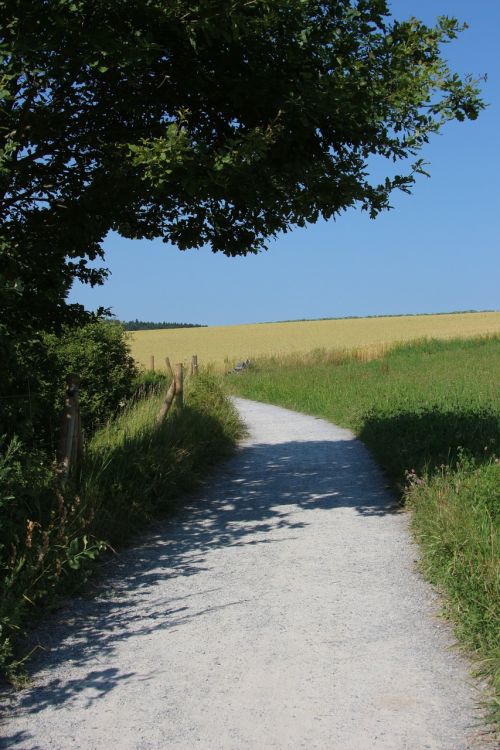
[256, 498]
[17, 739]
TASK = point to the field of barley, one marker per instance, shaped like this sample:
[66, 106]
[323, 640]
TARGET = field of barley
[223, 345]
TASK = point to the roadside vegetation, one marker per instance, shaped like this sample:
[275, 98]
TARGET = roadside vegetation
[133, 469]
[136, 469]
[430, 414]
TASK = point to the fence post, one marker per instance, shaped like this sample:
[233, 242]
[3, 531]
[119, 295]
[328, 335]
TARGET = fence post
[179, 380]
[71, 439]
[152, 363]
[169, 367]
[194, 365]
[167, 403]
[174, 389]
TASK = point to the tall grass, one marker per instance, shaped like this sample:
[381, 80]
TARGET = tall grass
[136, 469]
[456, 518]
[133, 470]
[430, 414]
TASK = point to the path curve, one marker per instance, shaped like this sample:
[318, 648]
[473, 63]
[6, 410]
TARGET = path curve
[281, 609]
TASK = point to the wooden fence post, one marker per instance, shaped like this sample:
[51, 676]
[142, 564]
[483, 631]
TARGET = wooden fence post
[179, 380]
[169, 367]
[174, 390]
[167, 403]
[194, 365]
[70, 447]
[152, 363]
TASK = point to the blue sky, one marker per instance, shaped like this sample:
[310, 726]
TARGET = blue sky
[437, 251]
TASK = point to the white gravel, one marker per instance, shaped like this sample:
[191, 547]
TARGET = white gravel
[281, 609]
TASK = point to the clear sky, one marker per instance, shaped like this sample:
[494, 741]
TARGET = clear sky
[437, 251]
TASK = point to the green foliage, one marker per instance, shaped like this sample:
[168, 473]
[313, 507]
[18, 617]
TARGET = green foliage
[25, 485]
[430, 414]
[133, 470]
[44, 548]
[99, 354]
[221, 122]
[35, 371]
[45, 540]
[27, 379]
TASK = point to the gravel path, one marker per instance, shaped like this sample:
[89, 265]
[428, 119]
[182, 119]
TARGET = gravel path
[281, 609]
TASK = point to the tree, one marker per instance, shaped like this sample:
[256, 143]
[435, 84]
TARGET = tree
[219, 122]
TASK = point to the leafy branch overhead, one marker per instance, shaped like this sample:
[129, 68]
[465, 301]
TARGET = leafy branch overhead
[204, 121]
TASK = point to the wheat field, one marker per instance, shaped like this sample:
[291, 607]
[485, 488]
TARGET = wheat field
[221, 346]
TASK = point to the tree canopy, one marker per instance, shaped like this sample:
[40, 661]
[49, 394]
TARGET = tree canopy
[219, 122]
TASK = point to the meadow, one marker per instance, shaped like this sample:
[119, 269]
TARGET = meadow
[429, 412]
[222, 346]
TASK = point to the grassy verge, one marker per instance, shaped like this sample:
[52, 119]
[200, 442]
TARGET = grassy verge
[430, 414]
[456, 518]
[133, 471]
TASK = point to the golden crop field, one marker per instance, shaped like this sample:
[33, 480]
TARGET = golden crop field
[223, 345]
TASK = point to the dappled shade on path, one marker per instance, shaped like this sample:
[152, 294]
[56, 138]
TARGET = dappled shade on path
[278, 608]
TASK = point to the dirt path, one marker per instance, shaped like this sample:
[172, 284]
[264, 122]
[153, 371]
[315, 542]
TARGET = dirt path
[280, 610]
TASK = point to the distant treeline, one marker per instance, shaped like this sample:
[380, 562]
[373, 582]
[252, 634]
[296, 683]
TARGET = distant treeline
[147, 325]
[382, 315]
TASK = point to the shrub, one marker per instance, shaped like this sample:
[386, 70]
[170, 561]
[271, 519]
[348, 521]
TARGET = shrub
[42, 539]
[33, 374]
[98, 353]
[44, 536]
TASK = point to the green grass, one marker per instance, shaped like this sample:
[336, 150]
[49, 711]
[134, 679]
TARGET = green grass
[136, 470]
[456, 515]
[133, 471]
[430, 414]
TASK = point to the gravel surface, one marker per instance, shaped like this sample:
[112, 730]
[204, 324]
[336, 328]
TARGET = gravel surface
[280, 609]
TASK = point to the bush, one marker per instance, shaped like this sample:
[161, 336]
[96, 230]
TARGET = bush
[43, 541]
[44, 536]
[33, 375]
[99, 354]
[27, 379]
